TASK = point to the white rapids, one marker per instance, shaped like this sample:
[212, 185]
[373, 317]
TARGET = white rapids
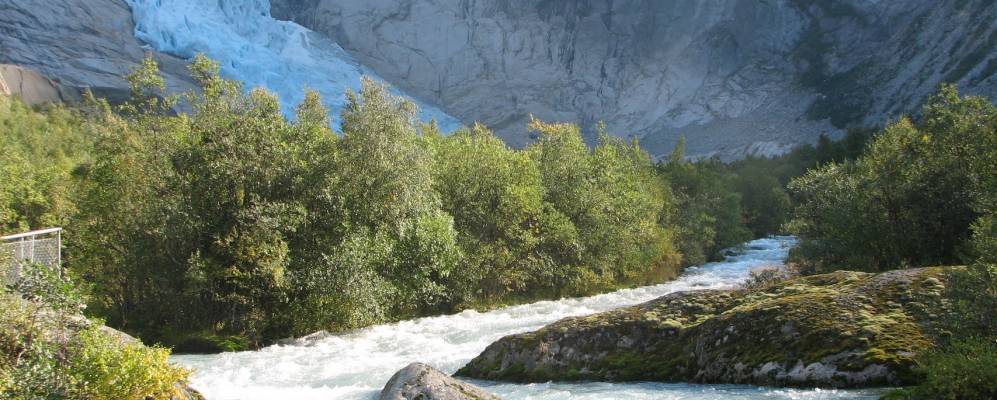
[259, 50]
[356, 365]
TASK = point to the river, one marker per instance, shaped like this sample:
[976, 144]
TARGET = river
[356, 365]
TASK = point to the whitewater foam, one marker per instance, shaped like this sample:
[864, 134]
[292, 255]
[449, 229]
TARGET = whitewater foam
[259, 50]
[356, 365]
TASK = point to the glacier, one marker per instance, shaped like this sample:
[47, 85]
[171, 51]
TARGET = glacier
[253, 47]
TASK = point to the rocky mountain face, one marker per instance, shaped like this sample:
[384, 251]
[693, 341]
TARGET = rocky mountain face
[735, 77]
[32, 87]
[843, 329]
[78, 44]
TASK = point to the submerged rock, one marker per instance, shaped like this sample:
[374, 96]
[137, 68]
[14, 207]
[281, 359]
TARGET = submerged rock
[844, 329]
[420, 381]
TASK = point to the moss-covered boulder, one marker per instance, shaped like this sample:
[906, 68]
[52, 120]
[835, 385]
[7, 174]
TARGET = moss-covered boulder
[844, 329]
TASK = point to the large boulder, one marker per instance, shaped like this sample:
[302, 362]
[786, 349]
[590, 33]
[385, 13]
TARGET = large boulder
[420, 381]
[844, 329]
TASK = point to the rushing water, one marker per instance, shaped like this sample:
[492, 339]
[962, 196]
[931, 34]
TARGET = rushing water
[356, 365]
[257, 49]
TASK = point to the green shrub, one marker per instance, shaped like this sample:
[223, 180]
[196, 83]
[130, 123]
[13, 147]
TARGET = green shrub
[49, 350]
[963, 370]
[29, 350]
[910, 199]
[46, 353]
[104, 367]
[45, 285]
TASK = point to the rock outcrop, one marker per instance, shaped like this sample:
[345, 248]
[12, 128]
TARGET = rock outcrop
[419, 381]
[80, 44]
[844, 329]
[735, 77]
[32, 87]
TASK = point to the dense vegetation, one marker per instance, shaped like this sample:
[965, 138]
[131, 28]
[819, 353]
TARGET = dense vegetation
[922, 193]
[48, 350]
[912, 198]
[232, 226]
[38, 151]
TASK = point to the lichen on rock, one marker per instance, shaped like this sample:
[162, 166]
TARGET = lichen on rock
[844, 329]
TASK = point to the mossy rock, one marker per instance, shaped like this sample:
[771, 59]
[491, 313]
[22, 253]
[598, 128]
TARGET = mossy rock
[843, 329]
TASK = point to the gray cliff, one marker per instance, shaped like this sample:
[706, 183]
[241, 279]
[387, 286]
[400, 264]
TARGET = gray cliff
[735, 77]
[80, 44]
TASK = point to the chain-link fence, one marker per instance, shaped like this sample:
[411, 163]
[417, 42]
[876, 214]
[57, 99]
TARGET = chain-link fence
[35, 247]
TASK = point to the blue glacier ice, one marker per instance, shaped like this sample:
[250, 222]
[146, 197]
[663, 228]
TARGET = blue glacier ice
[259, 50]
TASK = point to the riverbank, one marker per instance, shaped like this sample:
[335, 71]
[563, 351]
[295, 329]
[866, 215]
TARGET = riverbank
[356, 365]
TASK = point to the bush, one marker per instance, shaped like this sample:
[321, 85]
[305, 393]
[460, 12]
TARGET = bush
[766, 276]
[104, 367]
[963, 370]
[974, 295]
[49, 350]
[38, 153]
[910, 199]
[43, 284]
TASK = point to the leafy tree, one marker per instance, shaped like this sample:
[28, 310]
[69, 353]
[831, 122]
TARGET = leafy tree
[910, 199]
[386, 170]
[495, 196]
[38, 153]
[209, 201]
[708, 214]
[612, 201]
[764, 201]
[624, 235]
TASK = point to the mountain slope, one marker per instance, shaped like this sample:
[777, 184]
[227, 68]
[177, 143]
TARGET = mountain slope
[79, 44]
[733, 76]
[252, 47]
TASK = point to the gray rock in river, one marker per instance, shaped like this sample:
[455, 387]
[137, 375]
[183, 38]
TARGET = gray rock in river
[420, 381]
